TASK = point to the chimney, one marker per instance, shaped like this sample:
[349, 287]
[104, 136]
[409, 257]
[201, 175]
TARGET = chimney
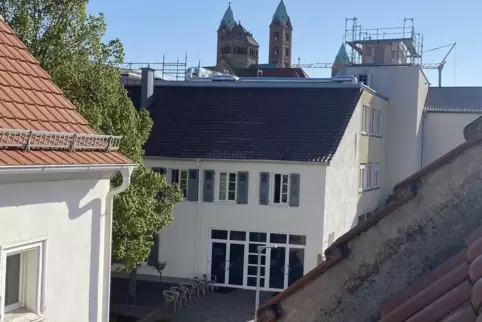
[147, 87]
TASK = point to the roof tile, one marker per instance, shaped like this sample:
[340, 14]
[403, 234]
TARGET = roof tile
[454, 99]
[250, 123]
[29, 100]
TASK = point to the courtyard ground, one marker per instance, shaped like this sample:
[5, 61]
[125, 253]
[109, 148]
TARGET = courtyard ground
[225, 305]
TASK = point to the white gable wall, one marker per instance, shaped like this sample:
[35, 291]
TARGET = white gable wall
[65, 216]
[442, 132]
[341, 198]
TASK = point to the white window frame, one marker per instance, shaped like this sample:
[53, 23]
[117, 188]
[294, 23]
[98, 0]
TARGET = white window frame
[366, 76]
[171, 179]
[376, 175]
[369, 176]
[362, 178]
[227, 186]
[272, 187]
[373, 122]
[365, 119]
[378, 128]
[364, 217]
[22, 248]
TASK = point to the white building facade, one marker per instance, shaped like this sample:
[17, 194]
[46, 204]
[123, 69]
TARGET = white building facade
[56, 198]
[294, 199]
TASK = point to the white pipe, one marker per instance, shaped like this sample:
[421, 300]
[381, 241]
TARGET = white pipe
[126, 181]
[198, 164]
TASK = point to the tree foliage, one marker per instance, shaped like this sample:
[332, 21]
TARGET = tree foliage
[68, 44]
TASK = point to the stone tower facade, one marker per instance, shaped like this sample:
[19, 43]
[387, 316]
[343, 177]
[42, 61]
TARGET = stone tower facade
[236, 47]
[280, 37]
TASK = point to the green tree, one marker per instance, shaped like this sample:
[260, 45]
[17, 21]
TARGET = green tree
[68, 44]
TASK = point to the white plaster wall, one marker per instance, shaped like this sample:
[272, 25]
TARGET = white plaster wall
[67, 214]
[373, 149]
[406, 88]
[178, 241]
[341, 197]
[443, 132]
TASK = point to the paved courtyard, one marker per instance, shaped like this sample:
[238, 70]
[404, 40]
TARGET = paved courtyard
[226, 305]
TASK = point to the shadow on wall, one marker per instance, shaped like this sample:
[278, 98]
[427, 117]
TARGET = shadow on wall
[56, 194]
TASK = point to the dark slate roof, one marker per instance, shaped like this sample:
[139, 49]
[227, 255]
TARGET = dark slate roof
[454, 99]
[249, 123]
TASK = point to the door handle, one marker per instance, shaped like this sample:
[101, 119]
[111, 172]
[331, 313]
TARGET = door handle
[286, 269]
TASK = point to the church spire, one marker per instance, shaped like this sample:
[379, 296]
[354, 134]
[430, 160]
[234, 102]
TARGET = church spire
[228, 21]
[281, 15]
[341, 60]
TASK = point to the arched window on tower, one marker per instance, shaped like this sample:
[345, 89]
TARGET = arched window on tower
[287, 36]
[287, 51]
[276, 35]
[275, 50]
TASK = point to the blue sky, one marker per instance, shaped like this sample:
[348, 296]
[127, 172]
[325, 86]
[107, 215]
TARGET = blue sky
[150, 28]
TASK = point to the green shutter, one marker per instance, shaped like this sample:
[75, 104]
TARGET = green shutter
[242, 188]
[192, 185]
[264, 188]
[294, 190]
[208, 186]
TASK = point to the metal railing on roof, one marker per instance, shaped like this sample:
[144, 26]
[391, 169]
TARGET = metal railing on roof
[27, 140]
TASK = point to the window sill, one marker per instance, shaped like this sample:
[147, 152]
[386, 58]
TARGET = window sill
[23, 315]
[369, 189]
[280, 205]
[225, 202]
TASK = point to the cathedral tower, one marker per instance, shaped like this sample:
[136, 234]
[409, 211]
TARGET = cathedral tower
[280, 41]
[236, 47]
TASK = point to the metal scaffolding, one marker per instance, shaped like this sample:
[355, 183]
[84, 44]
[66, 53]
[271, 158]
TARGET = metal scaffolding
[167, 70]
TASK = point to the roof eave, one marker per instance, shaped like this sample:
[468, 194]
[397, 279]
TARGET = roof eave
[65, 168]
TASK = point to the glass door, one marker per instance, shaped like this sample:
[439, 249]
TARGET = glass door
[295, 268]
[218, 261]
[277, 265]
[236, 264]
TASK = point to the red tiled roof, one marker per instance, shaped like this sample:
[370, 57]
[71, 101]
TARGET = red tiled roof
[403, 192]
[449, 293]
[29, 100]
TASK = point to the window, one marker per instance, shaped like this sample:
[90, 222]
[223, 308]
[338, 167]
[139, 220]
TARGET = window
[281, 188]
[362, 185]
[275, 50]
[376, 176]
[365, 216]
[365, 119]
[276, 35]
[372, 121]
[23, 267]
[12, 285]
[363, 79]
[179, 177]
[378, 123]
[369, 176]
[287, 37]
[227, 186]
[287, 51]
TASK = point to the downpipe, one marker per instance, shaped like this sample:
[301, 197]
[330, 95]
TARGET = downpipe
[108, 219]
[198, 220]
